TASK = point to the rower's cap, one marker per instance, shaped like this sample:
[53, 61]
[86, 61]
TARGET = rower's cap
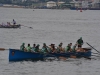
[44, 43]
[59, 44]
[23, 43]
[38, 45]
[51, 44]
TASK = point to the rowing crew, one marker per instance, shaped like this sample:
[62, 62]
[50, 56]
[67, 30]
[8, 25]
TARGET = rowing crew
[8, 23]
[54, 49]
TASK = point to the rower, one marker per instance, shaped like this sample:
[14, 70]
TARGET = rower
[68, 48]
[8, 23]
[33, 48]
[74, 48]
[79, 49]
[28, 48]
[3, 24]
[60, 49]
[44, 48]
[22, 47]
[37, 48]
[52, 48]
[61, 44]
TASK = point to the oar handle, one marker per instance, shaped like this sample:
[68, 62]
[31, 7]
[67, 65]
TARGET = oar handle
[2, 49]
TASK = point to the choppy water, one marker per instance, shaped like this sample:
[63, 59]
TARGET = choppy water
[50, 26]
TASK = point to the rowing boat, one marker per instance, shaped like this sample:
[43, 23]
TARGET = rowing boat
[18, 55]
[11, 26]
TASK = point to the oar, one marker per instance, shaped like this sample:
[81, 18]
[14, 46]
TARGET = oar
[27, 26]
[2, 49]
[93, 47]
[95, 55]
[62, 58]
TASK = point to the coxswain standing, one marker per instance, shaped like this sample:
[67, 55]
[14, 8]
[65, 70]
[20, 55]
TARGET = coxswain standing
[14, 22]
[79, 42]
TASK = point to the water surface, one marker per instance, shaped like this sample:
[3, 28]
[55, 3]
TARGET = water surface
[49, 26]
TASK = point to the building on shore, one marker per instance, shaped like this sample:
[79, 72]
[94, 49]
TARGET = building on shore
[16, 1]
[52, 4]
[85, 3]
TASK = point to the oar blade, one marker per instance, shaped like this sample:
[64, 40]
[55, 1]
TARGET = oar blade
[31, 27]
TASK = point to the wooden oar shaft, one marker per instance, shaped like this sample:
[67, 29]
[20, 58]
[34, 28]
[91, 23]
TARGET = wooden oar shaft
[93, 47]
[95, 55]
[2, 49]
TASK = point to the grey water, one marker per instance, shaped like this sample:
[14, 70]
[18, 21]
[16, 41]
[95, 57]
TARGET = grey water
[50, 26]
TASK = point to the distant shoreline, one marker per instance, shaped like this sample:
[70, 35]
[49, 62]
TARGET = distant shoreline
[11, 7]
[27, 7]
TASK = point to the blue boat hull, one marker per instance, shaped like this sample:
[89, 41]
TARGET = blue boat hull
[17, 55]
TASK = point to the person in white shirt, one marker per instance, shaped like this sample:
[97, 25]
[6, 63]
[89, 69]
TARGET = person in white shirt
[14, 22]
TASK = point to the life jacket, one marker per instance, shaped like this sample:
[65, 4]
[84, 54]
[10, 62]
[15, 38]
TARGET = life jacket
[28, 48]
[44, 50]
[36, 49]
[33, 49]
[22, 47]
[73, 49]
[68, 48]
[58, 49]
[80, 41]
